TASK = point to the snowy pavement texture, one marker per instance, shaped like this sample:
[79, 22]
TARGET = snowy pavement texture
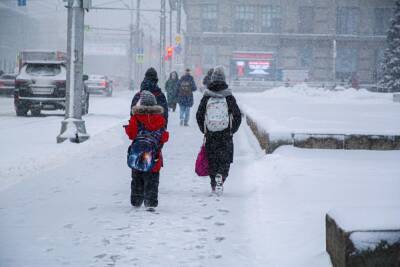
[271, 214]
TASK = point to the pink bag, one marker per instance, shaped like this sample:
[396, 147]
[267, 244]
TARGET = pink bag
[202, 162]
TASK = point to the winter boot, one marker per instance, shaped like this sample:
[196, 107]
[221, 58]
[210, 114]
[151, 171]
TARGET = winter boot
[219, 188]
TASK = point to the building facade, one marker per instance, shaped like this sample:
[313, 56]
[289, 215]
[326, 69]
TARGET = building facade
[314, 40]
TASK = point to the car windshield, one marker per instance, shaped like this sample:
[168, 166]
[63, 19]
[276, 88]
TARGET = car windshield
[97, 77]
[7, 77]
[43, 69]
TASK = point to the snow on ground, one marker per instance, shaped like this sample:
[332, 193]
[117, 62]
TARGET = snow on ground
[28, 144]
[302, 109]
[271, 214]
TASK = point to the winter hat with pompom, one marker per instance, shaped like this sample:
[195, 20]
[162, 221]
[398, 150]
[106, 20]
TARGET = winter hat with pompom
[218, 75]
[147, 99]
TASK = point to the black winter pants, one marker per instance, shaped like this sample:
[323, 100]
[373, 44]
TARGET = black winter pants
[144, 188]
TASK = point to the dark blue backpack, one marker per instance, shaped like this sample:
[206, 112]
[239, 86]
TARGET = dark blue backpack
[144, 150]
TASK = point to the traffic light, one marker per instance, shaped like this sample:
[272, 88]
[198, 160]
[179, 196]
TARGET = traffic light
[170, 52]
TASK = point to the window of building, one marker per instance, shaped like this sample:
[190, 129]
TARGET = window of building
[271, 18]
[209, 56]
[382, 20]
[245, 18]
[209, 15]
[348, 20]
[379, 60]
[346, 62]
[305, 57]
[306, 19]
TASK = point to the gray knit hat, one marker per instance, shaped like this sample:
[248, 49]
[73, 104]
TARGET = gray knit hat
[218, 75]
[147, 99]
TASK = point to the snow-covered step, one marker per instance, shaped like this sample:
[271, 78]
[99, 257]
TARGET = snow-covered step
[396, 98]
[271, 141]
[363, 237]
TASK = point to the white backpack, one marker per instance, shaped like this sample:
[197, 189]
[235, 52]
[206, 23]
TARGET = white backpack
[217, 114]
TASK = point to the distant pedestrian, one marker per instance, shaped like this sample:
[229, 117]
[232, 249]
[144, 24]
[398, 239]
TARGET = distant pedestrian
[354, 81]
[218, 117]
[171, 86]
[147, 131]
[186, 87]
[1, 72]
[149, 83]
[207, 78]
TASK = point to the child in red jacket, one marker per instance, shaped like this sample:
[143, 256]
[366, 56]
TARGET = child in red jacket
[144, 185]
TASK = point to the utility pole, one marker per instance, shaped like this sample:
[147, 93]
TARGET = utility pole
[130, 53]
[137, 43]
[170, 37]
[162, 42]
[73, 127]
[178, 16]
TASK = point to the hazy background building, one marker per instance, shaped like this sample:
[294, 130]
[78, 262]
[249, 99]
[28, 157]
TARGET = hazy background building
[315, 40]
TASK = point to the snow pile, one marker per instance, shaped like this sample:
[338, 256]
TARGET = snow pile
[302, 109]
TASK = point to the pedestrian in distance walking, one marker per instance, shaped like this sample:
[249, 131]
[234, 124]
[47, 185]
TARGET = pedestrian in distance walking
[186, 87]
[207, 78]
[146, 129]
[171, 86]
[219, 118]
[149, 83]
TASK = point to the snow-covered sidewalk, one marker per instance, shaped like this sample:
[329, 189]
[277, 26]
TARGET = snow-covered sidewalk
[271, 214]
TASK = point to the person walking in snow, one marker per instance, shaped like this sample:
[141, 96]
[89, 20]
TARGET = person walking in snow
[171, 87]
[219, 118]
[207, 78]
[146, 129]
[186, 87]
[149, 83]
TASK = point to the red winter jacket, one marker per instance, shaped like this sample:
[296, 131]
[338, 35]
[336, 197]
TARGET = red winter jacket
[152, 119]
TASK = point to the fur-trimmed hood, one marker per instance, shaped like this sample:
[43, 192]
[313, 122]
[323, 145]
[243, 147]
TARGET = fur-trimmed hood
[147, 110]
[222, 93]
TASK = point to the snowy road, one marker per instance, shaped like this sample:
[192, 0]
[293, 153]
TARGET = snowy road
[77, 212]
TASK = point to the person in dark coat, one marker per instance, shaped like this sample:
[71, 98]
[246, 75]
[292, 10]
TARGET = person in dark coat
[149, 83]
[144, 185]
[219, 145]
[207, 78]
[186, 87]
[171, 86]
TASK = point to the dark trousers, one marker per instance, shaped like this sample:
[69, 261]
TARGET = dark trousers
[144, 188]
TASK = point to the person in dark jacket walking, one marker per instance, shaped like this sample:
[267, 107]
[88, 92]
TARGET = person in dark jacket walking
[171, 86]
[207, 78]
[186, 87]
[144, 185]
[219, 144]
[149, 83]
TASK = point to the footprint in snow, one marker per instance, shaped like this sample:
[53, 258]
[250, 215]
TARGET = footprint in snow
[223, 211]
[202, 230]
[92, 208]
[208, 217]
[219, 223]
[105, 242]
[218, 256]
[100, 256]
[219, 238]
[68, 226]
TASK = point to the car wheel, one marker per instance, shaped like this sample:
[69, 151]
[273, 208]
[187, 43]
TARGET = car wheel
[85, 106]
[21, 110]
[35, 112]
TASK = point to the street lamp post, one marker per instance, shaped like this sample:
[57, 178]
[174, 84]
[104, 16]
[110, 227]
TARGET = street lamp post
[73, 127]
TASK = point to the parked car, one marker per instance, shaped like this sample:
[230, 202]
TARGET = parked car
[99, 84]
[41, 85]
[7, 84]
